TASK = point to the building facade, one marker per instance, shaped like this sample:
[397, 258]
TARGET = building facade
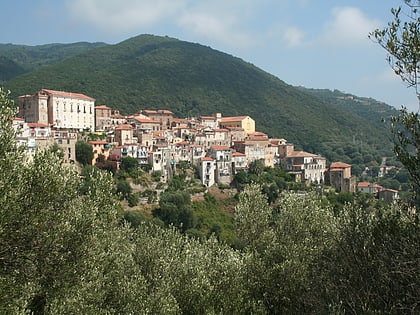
[61, 110]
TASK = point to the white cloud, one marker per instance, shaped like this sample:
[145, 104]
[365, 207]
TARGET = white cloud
[217, 21]
[120, 16]
[349, 25]
[220, 21]
[293, 36]
[218, 28]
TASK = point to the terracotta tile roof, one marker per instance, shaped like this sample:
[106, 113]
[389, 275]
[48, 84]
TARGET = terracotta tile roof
[37, 125]
[238, 154]
[301, 154]
[389, 189]
[155, 112]
[68, 94]
[258, 134]
[182, 143]
[180, 120]
[103, 107]
[278, 141]
[338, 165]
[232, 118]
[221, 130]
[235, 128]
[371, 185]
[124, 127]
[145, 120]
[220, 148]
[98, 142]
[207, 158]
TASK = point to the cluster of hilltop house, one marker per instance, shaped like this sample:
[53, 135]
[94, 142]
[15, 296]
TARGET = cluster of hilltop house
[218, 146]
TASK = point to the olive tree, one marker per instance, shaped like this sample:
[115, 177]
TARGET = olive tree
[84, 152]
[61, 251]
[401, 39]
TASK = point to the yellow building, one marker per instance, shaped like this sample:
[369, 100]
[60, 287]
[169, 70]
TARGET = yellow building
[245, 122]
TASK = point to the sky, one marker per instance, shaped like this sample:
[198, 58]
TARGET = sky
[313, 43]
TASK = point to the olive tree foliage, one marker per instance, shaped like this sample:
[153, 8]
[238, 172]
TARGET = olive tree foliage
[373, 266]
[190, 276]
[84, 152]
[401, 39]
[284, 247]
[65, 250]
[253, 216]
[58, 248]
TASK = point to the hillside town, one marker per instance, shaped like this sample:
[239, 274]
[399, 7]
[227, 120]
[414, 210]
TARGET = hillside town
[216, 145]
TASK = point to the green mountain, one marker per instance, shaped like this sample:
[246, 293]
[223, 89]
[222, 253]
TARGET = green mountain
[151, 72]
[18, 59]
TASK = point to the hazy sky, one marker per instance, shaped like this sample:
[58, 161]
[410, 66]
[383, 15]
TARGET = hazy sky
[314, 43]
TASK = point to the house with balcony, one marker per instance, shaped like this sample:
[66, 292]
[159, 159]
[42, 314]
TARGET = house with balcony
[211, 121]
[222, 156]
[207, 171]
[181, 151]
[369, 188]
[239, 162]
[209, 137]
[123, 135]
[100, 148]
[256, 146]
[160, 160]
[312, 167]
[144, 124]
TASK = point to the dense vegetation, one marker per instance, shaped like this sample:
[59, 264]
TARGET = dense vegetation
[191, 80]
[65, 249]
[18, 59]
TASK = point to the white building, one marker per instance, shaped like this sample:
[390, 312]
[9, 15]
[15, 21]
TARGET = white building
[207, 170]
[59, 109]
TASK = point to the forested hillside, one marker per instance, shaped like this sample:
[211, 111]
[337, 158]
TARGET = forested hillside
[191, 80]
[18, 59]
